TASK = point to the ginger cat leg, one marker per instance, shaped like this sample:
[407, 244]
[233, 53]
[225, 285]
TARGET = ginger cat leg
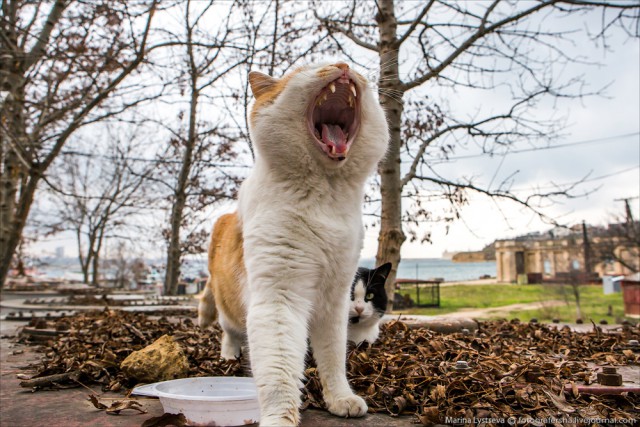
[277, 332]
[328, 336]
[206, 307]
[232, 340]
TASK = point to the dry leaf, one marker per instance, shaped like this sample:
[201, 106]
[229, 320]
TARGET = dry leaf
[405, 371]
[116, 406]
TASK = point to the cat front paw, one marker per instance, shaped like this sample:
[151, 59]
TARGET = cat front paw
[349, 406]
[230, 352]
[229, 355]
[230, 348]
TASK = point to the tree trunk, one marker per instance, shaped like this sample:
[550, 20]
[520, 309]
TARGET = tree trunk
[391, 235]
[174, 252]
[84, 263]
[98, 247]
[84, 266]
[13, 170]
[8, 192]
[94, 268]
[16, 226]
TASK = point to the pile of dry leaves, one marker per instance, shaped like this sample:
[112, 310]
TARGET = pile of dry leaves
[512, 369]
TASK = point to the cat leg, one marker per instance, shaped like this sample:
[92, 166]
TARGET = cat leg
[206, 306]
[231, 345]
[277, 331]
[328, 336]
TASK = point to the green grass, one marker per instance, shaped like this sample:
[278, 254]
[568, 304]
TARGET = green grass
[594, 304]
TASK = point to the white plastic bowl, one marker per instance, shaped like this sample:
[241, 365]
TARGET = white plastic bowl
[208, 401]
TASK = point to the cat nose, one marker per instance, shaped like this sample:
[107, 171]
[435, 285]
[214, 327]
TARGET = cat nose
[359, 310]
[342, 66]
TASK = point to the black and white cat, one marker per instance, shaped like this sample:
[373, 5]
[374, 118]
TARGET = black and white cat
[368, 303]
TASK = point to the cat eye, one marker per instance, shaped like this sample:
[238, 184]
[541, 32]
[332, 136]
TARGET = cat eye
[369, 296]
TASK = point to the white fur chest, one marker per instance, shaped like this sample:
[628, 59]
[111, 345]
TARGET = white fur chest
[318, 134]
[312, 223]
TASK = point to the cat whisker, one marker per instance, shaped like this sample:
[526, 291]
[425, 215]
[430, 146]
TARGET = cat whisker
[385, 65]
[391, 94]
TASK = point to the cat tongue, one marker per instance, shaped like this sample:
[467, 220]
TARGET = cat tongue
[333, 136]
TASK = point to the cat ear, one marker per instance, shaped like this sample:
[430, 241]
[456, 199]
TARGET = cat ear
[260, 83]
[384, 270]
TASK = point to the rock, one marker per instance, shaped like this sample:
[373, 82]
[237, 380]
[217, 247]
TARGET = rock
[161, 361]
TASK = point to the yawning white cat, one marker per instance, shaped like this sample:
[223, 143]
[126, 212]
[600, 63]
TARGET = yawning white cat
[282, 266]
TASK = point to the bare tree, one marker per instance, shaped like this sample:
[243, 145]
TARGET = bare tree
[210, 62]
[203, 143]
[475, 45]
[98, 193]
[64, 65]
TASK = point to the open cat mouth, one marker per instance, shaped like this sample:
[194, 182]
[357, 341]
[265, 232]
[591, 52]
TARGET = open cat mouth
[354, 319]
[334, 117]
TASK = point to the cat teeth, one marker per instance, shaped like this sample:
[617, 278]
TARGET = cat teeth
[333, 149]
[332, 87]
[321, 99]
[350, 101]
[353, 90]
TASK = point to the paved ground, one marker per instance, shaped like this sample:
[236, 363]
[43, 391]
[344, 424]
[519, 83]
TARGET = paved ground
[70, 407]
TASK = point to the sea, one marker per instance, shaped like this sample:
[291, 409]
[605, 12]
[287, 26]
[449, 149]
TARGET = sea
[420, 268]
[437, 268]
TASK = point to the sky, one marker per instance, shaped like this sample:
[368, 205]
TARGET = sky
[600, 143]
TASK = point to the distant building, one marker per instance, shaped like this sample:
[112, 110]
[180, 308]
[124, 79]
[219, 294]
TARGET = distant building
[562, 251]
[60, 252]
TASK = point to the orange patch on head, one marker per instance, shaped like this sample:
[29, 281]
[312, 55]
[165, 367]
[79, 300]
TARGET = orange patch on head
[327, 70]
[266, 88]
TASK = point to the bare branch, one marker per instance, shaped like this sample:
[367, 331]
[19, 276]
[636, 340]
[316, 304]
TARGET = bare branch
[333, 27]
[101, 96]
[464, 46]
[415, 23]
[39, 48]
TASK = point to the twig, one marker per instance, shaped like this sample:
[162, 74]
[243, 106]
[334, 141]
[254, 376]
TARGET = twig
[50, 379]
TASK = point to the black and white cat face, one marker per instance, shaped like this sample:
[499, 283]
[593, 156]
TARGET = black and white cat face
[368, 296]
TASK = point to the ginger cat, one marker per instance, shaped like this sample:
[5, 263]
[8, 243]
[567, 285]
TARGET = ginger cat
[281, 267]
